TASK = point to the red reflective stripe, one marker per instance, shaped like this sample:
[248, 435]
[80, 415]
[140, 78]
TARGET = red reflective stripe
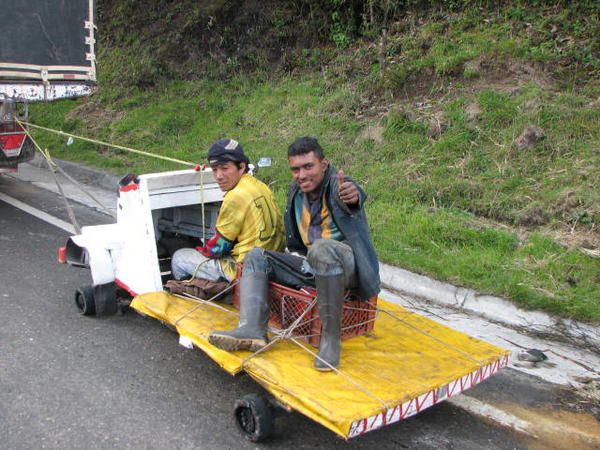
[62, 255]
[129, 187]
[124, 286]
[12, 141]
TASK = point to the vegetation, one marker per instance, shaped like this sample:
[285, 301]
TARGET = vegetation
[428, 116]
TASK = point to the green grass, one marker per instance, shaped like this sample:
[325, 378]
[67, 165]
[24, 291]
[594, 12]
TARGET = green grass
[449, 206]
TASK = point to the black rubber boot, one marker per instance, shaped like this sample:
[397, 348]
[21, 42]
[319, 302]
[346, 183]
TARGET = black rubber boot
[330, 296]
[251, 333]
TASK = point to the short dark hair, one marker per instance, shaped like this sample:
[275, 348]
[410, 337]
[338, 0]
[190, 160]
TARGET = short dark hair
[239, 165]
[304, 145]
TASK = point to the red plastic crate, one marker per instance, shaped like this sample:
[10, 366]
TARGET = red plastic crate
[286, 305]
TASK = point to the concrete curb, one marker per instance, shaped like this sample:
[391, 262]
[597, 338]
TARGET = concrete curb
[81, 173]
[492, 308]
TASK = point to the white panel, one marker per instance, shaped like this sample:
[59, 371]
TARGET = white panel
[36, 91]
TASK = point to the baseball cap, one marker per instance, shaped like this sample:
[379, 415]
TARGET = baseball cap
[226, 150]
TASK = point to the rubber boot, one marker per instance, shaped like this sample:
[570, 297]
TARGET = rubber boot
[330, 296]
[251, 333]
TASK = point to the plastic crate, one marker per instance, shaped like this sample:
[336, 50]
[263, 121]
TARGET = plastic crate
[286, 305]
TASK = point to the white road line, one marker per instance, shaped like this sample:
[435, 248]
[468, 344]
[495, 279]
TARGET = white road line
[37, 213]
[487, 411]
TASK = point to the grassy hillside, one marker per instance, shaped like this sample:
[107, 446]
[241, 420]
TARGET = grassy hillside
[429, 120]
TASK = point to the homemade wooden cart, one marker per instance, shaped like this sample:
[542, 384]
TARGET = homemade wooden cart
[395, 365]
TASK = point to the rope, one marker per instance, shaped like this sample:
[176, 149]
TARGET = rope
[187, 296]
[200, 264]
[120, 147]
[52, 167]
[451, 347]
[203, 208]
[204, 302]
[129, 149]
[283, 334]
[287, 334]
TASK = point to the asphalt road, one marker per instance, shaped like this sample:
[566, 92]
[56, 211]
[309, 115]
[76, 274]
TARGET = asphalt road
[71, 382]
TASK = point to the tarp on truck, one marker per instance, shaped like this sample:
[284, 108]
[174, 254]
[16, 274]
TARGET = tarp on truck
[47, 48]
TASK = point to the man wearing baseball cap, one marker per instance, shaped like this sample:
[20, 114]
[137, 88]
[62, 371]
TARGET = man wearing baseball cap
[248, 218]
[329, 248]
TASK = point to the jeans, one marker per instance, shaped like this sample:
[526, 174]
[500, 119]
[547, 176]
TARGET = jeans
[188, 261]
[325, 258]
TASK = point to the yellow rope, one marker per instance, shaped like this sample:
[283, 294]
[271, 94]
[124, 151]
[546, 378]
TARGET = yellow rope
[202, 203]
[120, 147]
[52, 167]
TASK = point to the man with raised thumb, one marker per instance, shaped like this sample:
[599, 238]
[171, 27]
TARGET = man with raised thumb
[329, 248]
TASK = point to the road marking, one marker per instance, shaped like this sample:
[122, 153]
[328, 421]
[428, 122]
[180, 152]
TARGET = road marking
[38, 213]
[487, 411]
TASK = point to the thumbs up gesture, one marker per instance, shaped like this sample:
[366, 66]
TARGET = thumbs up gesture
[347, 190]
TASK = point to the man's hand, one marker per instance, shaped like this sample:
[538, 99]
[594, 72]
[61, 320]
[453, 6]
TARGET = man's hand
[347, 190]
[205, 251]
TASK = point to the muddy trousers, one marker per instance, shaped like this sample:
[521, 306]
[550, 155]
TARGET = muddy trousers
[329, 266]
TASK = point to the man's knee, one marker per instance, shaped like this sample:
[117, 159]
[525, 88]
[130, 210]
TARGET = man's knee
[255, 261]
[329, 257]
[180, 261]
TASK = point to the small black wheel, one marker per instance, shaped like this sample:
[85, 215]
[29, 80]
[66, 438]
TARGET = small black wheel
[254, 417]
[84, 299]
[105, 298]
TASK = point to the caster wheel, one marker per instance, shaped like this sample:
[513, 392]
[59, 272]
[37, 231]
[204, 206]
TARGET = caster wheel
[84, 299]
[105, 297]
[254, 417]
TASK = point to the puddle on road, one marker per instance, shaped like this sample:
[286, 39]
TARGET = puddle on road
[558, 429]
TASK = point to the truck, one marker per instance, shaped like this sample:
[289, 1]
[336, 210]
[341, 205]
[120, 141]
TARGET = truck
[47, 52]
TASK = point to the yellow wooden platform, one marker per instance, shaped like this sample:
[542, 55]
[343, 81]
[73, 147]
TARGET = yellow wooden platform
[406, 364]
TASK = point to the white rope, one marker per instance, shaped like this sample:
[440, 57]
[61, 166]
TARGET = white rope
[287, 334]
[205, 302]
[430, 336]
[186, 296]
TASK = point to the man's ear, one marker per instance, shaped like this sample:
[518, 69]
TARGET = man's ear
[325, 164]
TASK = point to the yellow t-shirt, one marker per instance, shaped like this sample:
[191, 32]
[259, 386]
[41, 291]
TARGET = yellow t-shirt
[250, 218]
